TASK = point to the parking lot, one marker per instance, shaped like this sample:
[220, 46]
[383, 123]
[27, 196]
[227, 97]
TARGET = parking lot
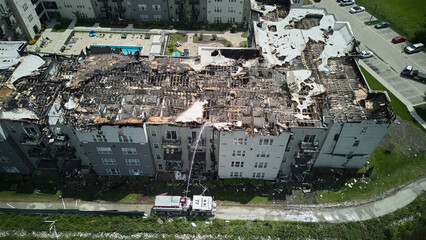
[389, 59]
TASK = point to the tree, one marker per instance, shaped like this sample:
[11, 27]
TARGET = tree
[187, 16]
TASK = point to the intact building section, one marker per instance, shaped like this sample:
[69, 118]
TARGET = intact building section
[243, 155]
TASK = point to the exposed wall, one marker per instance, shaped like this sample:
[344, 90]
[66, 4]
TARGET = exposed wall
[70, 9]
[350, 145]
[224, 11]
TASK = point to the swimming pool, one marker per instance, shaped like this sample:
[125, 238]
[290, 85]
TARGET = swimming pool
[126, 50]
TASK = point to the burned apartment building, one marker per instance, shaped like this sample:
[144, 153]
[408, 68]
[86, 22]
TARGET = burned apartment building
[293, 102]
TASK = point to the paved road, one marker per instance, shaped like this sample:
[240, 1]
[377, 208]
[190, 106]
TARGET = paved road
[335, 213]
[390, 59]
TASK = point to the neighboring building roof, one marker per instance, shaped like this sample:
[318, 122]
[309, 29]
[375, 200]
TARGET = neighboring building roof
[9, 53]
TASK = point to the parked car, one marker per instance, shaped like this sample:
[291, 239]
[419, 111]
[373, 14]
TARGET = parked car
[124, 35]
[408, 71]
[357, 9]
[346, 2]
[399, 39]
[381, 25]
[366, 54]
[414, 48]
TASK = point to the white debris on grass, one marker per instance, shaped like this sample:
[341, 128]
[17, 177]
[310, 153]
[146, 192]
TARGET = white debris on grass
[289, 43]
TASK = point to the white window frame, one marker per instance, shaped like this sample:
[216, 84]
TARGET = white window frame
[109, 161]
[158, 156]
[124, 138]
[262, 154]
[132, 162]
[158, 18]
[240, 141]
[104, 150]
[129, 151]
[25, 6]
[99, 138]
[11, 169]
[171, 137]
[156, 145]
[113, 171]
[142, 7]
[153, 132]
[266, 142]
[156, 7]
[136, 172]
[4, 159]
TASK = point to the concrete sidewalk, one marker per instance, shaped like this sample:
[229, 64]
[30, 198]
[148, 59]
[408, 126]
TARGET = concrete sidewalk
[332, 213]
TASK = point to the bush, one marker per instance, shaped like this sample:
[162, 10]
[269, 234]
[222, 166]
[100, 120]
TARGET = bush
[228, 43]
[201, 37]
[234, 28]
[214, 37]
[243, 44]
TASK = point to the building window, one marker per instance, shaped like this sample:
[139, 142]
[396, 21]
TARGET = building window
[67, 5]
[260, 165]
[258, 175]
[217, 19]
[266, 142]
[231, 20]
[236, 174]
[284, 159]
[156, 145]
[171, 135]
[129, 151]
[135, 172]
[11, 169]
[232, 0]
[238, 153]
[156, 8]
[158, 156]
[104, 150]
[108, 161]
[364, 129]
[113, 171]
[262, 154]
[142, 7]
[244, 18]
[30, 18]
[84, 16]
[160, 166]
[126, 139]
[217, 9]
[80, 5]
[30, 131]
[4, 159]
[158, 18]
[237, 164]
[356, 144]
[153, 132]
[288, 148]
[231, 9]
[240, 141]
[99, 138]
[25, 6]
[133, 162]
[309, 138]
[218, 0]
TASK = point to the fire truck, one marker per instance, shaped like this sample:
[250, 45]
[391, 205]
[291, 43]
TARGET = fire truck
[179, 206]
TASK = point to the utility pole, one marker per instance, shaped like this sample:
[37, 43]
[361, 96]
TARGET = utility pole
[373, 12]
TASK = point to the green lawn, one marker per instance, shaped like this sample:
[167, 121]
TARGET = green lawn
[406, 223]
[421, 110]
[34, 196]
[404, 16]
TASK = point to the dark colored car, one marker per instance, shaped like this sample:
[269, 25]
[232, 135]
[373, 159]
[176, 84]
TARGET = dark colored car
[381, 25]
[399, 39]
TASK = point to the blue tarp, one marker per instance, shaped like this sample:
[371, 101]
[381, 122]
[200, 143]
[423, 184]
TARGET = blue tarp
[176, 54]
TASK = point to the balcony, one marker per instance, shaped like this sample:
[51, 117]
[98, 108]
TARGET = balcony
[13, 25]
[59, 140]
[38, 152]
[194, 1]
[201, 145]
[302, 158]
[179, 1]
[200, 157]
[174, 165]
[120, 9]
[66, 152]
[6, 14]
[106, 9]
[172, 154]
[31, 140]
[170, 143]
[309, 146]
[195, 12]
